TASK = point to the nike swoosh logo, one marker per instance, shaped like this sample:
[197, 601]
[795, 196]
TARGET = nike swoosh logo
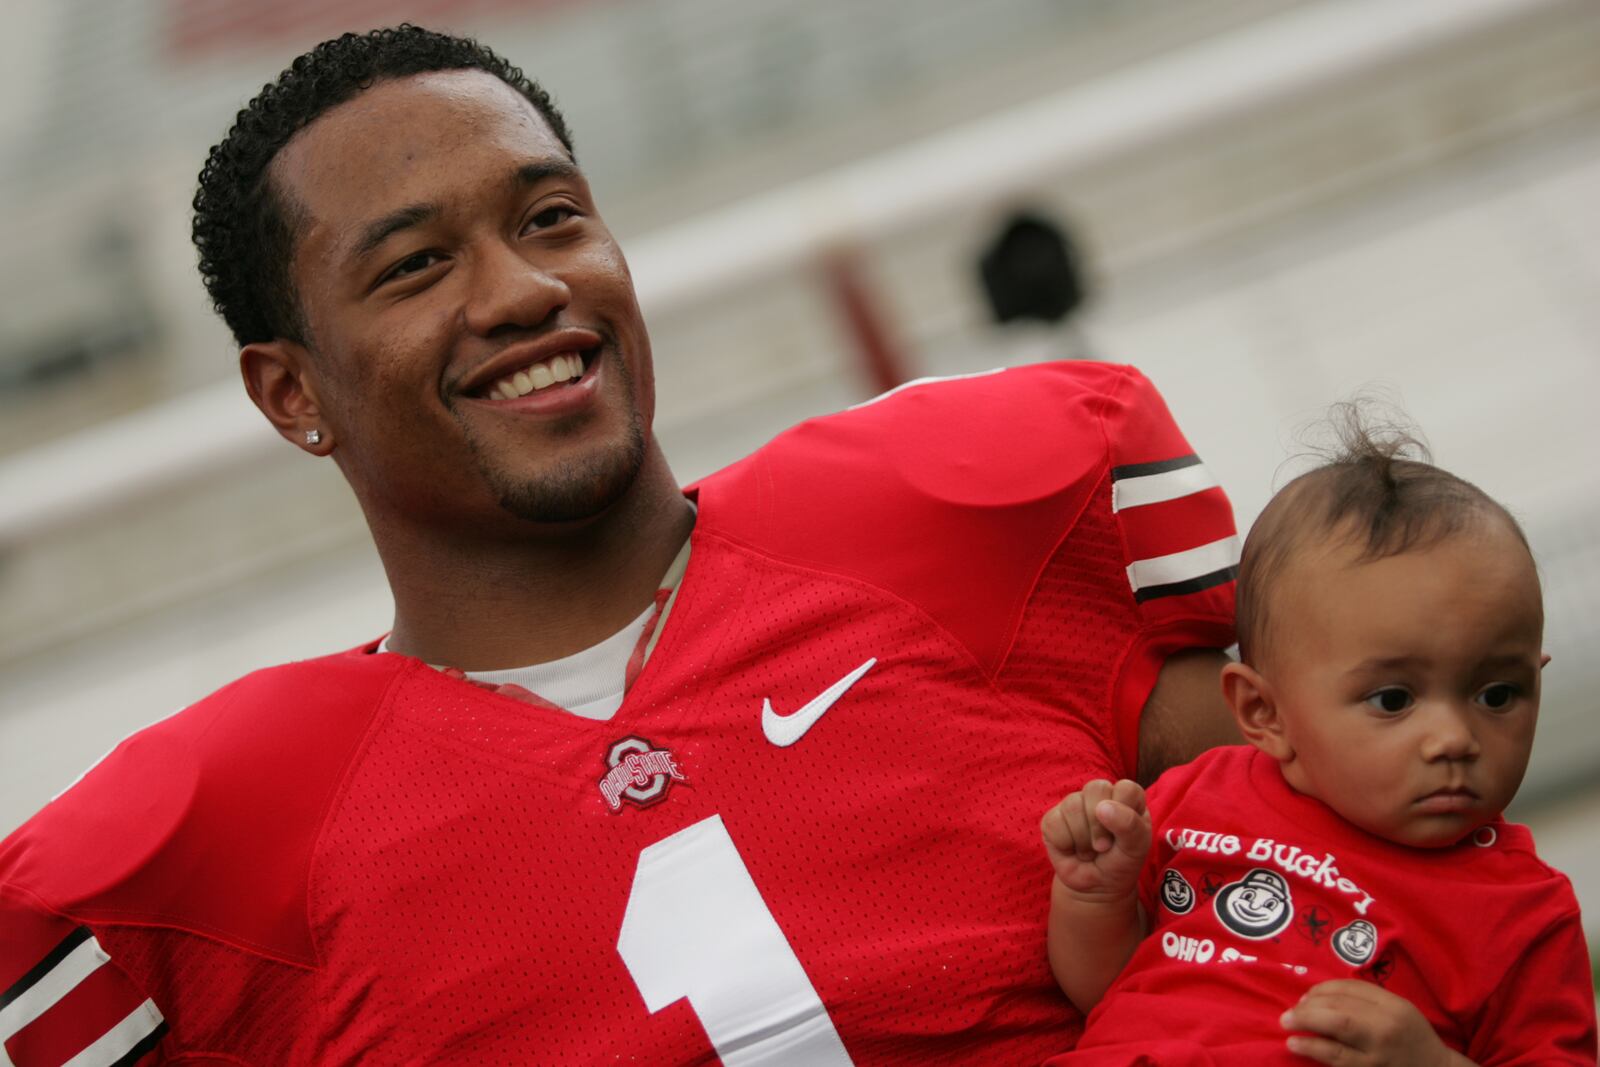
[785, 730]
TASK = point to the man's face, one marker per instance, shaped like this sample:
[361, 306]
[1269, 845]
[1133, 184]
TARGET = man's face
[475, 344]
[1409, 685]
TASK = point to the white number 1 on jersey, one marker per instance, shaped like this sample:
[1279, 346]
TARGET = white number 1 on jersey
[696, 927]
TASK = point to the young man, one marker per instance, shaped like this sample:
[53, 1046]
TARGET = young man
[609, 792]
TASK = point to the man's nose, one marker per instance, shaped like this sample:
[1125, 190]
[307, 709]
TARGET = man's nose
[511, 289]
[1448, 734]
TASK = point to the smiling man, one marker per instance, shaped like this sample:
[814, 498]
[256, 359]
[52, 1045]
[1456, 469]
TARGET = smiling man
[748, 773]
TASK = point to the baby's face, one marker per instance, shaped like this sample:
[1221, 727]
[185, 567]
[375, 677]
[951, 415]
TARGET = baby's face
[1409, 686]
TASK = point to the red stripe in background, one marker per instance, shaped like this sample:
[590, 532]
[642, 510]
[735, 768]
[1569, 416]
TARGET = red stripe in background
[77, 1020]
[200, 27]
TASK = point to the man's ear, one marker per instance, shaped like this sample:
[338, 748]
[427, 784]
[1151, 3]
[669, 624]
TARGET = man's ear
[279, 378]
[1255, 710]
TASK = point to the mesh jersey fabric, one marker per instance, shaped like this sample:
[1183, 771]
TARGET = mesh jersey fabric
[1483, 937]
[360, 859]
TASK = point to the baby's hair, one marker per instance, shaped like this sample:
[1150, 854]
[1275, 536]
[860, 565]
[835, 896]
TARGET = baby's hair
[1376, 488]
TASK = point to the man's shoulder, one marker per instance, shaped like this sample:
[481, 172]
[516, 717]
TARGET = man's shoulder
[1024, 443]
[270, 719]
[955, 494]
[1046, 408]
[206, 818]
[1027, 438]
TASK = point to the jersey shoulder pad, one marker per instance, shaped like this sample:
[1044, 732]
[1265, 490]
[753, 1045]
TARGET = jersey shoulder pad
[950, 493]
[206, 820]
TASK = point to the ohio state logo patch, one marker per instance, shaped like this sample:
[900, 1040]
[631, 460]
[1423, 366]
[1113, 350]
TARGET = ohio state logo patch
[640, 773]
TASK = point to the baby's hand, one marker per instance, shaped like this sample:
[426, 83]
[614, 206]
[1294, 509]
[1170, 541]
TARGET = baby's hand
[1357, 1024]
[1097, 838]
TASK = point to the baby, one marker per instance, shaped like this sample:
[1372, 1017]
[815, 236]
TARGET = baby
[1342, 890]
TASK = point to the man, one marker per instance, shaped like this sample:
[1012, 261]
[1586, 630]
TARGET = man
[767, 795]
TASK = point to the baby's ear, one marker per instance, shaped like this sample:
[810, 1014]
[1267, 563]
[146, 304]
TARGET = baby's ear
[1255, 710]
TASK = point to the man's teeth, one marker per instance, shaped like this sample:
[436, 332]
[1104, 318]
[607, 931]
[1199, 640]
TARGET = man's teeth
[561, 368]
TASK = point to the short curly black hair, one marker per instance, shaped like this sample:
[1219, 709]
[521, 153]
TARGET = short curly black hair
[243, 229]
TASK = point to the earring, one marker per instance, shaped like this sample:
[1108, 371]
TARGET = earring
[313, 437]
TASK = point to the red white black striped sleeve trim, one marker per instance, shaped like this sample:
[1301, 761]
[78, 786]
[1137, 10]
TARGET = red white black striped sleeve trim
[1137, 484]
[1164, 487]
[103, 1034]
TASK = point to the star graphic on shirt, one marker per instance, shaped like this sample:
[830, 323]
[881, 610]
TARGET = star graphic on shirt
[1313, 923]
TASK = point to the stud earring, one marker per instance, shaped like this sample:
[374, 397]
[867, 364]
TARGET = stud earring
[313, 437]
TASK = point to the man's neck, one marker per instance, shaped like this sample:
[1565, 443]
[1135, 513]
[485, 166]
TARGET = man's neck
[490, 604]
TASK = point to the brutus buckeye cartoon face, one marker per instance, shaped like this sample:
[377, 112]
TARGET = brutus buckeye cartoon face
[1257, 906]
[1176, 894]
[1356, 943]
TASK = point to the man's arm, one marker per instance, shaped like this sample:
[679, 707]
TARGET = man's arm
[61, 993]
[1185, 714]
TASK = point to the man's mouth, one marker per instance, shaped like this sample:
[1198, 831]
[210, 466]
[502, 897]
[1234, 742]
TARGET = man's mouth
[544, 374]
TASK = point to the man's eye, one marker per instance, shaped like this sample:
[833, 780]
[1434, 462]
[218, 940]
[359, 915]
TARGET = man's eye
[411, 265]
[1497, 697]
[550, 216]
[1391, 699]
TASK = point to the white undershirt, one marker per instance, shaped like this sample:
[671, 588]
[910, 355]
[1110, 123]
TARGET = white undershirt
[587, 683]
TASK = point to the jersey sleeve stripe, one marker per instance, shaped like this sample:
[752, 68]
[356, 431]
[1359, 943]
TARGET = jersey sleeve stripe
[1127, 471]
[126, 1042]
[1208, 565]
[1171, 480]
[62, 950]
[77, 957]
[1193, 585]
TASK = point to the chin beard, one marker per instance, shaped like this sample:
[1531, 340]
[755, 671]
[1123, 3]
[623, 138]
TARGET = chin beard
[579, 490]
[582, 488]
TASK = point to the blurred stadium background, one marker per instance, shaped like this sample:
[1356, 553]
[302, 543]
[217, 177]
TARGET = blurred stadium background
[1278, 202]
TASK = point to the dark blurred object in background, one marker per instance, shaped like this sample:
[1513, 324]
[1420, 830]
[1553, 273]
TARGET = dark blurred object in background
[1031, 271]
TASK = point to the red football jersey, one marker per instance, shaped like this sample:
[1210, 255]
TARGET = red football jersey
[1257, 893]
[809, 835]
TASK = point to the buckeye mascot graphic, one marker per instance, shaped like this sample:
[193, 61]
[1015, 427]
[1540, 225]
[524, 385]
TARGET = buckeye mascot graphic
[1356, 943]
[1257, 906]
[1176, 893]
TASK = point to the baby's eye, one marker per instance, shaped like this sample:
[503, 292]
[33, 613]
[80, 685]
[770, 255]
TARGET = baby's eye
[1497, 697]
[1391, 699]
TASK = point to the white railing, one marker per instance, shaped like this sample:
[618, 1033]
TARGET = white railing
[969, 168]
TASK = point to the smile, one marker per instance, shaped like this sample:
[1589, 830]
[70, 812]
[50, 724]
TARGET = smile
[552, 371]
